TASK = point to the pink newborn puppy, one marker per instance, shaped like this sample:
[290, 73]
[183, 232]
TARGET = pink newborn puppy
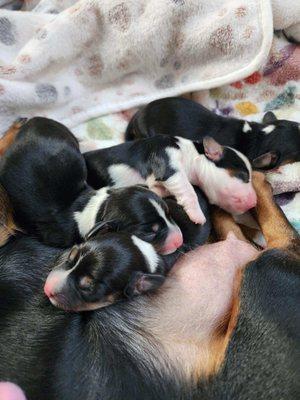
[10, 391]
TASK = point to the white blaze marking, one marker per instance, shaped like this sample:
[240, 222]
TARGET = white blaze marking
[123, 175]
[268, 129]
[148, 252]
[61, 276]
[86, 218]
[246, 127]
[245, 159]
[161, 213]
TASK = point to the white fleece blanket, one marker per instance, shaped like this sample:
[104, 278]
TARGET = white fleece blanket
[75, 62]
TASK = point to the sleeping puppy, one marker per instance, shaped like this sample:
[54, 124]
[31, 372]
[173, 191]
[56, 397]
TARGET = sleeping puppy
[113, 265]
[45, 175]
[104, 270]
[267, 145]
[135, 210]
[171, 165]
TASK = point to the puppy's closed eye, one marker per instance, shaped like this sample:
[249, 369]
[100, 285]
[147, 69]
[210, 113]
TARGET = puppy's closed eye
[85, 283]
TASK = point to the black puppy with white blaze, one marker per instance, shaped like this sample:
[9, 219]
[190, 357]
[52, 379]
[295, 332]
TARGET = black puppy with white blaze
[171, 165]
[267, 144]
[134, 210]
[45, 176]
[104, 270]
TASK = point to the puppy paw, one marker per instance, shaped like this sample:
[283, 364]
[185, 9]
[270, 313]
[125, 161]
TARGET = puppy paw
[196, 215]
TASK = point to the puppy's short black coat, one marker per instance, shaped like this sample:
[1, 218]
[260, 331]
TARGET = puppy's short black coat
[44, 173]
[104, 270]
[45, 176]
[267, 144]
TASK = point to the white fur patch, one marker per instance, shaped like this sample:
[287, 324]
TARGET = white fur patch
[148, 252]
[268, 129]
[161, 213]
[188, 154]
[245, 159]
[246, 127]
[123, 175]
[86, 218]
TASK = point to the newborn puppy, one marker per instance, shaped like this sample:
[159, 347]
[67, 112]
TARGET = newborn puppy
[267, 144]
[104, 270]
[45, 175]
[135, 210]
[171, 165]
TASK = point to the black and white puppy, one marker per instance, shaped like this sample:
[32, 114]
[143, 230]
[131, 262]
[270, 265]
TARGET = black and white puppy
[171, 165]
[135, 210]
[267, 144]
[104, 270]
[45, 175]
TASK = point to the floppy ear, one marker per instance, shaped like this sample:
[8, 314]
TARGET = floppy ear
[269, 117]
[213, 150]
[141, 283]
[267, 160]
[102, 227]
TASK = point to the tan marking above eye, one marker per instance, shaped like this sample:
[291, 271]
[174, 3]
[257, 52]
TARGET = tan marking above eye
[73, 253]
[85, 282]
[155, 227]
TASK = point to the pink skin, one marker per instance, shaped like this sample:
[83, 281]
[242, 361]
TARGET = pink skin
[195, 298]
[55, 282]
[172, 242]
[244, 198]
[10, 391]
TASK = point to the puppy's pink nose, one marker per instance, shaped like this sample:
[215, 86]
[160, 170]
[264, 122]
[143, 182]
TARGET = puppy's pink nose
[251, 200]
[48, 289]
[10, 391]
[53, 282]
[173, 241]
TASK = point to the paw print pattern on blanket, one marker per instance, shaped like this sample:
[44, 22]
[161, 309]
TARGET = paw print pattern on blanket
[107, 52]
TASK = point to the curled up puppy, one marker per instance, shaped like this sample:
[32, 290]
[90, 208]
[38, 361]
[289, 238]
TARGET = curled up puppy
[63, 208]
[103, 270]
[171, 165]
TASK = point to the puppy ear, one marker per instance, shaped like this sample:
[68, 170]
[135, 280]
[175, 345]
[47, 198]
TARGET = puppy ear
[267, 160]
[213, 150]
[142, 283]
[269, 117]
[102, 227]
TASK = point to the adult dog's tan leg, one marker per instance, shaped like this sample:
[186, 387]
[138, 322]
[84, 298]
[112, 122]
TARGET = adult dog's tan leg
[224, 223]
[275, 227]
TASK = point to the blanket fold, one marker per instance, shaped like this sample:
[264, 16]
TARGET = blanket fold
[99, 56]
